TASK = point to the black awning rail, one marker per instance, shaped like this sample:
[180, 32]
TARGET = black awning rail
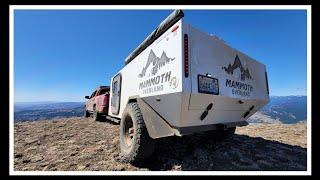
[174, 17]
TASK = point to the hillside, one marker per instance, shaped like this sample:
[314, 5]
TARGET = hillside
[259, 117]
[287, 109]
[82, 144]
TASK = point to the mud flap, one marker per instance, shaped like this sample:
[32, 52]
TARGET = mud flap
[157, 127]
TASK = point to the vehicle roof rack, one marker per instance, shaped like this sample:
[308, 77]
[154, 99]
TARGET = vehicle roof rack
[104, 87]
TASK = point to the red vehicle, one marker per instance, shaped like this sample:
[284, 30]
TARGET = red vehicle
[98, 103]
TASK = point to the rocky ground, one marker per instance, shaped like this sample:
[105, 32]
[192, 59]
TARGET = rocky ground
[82, 144]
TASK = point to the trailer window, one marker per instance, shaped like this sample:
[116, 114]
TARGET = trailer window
[114, 87]
[116, 94]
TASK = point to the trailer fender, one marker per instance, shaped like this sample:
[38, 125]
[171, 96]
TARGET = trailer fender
[157, 127]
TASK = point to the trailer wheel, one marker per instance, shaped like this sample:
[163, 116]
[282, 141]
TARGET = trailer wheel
[135, 142]
[220, 135]
[96, 115]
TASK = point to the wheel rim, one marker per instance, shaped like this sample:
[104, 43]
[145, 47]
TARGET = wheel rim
[128, 131]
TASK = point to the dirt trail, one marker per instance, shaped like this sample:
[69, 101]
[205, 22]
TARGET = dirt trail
[82, 144]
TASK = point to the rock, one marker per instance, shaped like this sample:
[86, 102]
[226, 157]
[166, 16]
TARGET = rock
[68, 136]
[25, 169]
[32, 148]
[176, 167]
[81, 167]
[29, 141]
[26, 160]
[45, 168]
[18, 155]
[37, 158]
[51, 167]
[73, 153]
[61, 125]
[44, 164]
[59, 161]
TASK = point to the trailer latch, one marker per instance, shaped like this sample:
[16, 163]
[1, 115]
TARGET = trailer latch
[248, 112]
[205, 113]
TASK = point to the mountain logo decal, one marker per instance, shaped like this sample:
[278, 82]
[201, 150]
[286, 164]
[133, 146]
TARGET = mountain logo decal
[156, 62]
[244, 72]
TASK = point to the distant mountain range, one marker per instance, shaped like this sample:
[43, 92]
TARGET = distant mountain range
[287, 109]
[20, 106]
[47, 110]
[281, 109]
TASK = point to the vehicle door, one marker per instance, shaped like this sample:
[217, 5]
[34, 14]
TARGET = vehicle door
[90, 102]
[116, 94]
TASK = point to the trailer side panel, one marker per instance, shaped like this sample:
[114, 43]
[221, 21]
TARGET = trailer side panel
[155, 71]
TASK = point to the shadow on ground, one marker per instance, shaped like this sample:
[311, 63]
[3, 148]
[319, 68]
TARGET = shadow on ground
[241, 152]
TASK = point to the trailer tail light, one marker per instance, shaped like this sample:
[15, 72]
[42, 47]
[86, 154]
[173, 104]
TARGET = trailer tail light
[175, 28]
[186, 56]
[267, 84]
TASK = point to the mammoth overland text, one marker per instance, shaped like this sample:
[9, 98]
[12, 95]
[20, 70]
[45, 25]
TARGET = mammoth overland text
[152, 84]
[239, 88]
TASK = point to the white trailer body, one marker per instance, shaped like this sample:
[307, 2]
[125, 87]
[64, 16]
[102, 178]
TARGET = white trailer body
[190, 81]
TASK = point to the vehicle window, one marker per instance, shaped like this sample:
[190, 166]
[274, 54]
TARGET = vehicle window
[92, 95]
[103, 91]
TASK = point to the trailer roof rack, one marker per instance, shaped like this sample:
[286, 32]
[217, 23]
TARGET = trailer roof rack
[174, 17]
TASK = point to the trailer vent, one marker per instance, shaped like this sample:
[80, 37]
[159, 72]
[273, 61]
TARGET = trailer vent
[186, 56]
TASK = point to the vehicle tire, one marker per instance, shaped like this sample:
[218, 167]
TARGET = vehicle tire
[220, 135]
[135, 142]
[95, 114]
[86, 113]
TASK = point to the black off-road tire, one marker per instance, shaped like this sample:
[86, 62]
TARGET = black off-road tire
[86, 113]
[95, 114]
[142, 145]
[221, 135]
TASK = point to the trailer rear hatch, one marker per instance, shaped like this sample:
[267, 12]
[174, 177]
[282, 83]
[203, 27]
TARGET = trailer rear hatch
[216, 69]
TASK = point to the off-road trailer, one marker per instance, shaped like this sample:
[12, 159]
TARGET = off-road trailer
[179, 81]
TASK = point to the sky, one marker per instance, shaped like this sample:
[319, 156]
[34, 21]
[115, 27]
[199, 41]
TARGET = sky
[63, 55]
